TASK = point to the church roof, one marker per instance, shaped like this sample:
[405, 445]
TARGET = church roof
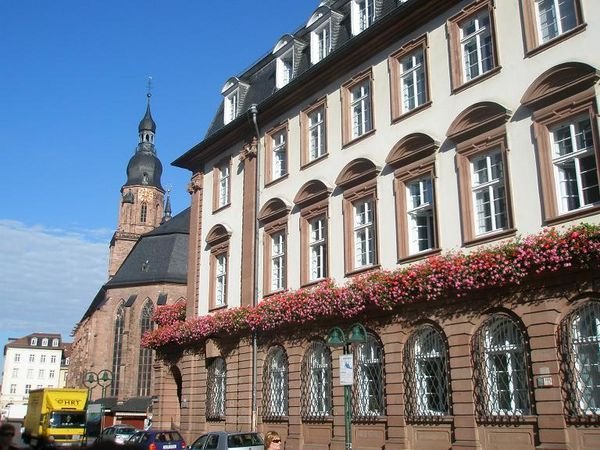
[159, 256]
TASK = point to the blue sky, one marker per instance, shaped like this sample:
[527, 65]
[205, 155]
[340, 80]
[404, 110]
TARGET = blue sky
[73, 78]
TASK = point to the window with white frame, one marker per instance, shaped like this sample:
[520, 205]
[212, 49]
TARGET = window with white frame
[580, 345]
[320, 42]
[420, 215]
[41, 373]
[275, 384]
[368, 395]
[426, 373]
[279, 154]
[501, 368]
[363, 14]
[316, 382]
[554, 17]
[15, 372]
[231, 106]
[51, 373]
[27, 388]
[34, 341]
[13, 389]
[55, 342]
[318, 248]
[364, 233]
[360, 108]
[31, 358]
[45, 342]
[224, 185]
[17, 357]
[42, 358]
[316, 133]
[53, 359]
[412, 80]
[285, 68]
[575, 165]
[215, 389]
[277, 261]
[489, 194]
[476, 45]
[221, 279]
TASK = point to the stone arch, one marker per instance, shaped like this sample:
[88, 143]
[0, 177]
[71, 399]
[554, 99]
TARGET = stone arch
[411, 148]
[217, 234]
[477, 119]
[356, 172]
[312, 191]
[274, 208]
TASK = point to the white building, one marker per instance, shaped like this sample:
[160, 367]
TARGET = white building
[30, 362]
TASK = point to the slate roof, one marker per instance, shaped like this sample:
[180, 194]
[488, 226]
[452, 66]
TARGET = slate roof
[260, 78]
[159, 256]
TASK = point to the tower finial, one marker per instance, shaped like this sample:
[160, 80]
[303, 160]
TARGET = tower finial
[149, 88]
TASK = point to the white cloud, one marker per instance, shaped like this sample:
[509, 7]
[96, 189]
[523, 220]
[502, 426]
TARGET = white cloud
[48, 277]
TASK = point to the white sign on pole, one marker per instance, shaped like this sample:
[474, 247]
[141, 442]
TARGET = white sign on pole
[346, 370]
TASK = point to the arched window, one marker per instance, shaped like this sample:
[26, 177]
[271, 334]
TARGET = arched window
[33, 341]
[368, 395]
[215, 389]
[501, 368]
[580, 347]
[144, 213]
[45, 342]
[275, 384]
[426, 374]
[117, 350]
[146, 356]
[316, 382]
[54, 342]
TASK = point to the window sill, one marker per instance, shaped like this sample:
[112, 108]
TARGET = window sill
[217, 308]
[500, 419]
[430, 420]
[277, 180]
[311, 283]
[477, 80]
[557, 40]
[314, 161]
[370, 420]
[489, 237]
[221, 208]
[361, 270]
[417, 256]
[566, 217]
[412, 112]
[358, 138]
[272, 293]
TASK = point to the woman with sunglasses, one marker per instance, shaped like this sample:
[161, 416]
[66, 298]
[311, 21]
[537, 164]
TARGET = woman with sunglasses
[7, 433]
[273, 441]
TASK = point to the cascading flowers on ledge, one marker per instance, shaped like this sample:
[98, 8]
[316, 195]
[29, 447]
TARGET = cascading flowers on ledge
[450, 275]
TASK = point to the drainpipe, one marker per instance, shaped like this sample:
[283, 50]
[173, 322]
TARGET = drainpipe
[253, 116]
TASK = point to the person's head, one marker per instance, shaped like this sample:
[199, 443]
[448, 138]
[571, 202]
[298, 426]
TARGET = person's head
[7, 433]
[272, 441]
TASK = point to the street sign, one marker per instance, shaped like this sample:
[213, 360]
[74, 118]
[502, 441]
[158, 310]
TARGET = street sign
[346, 370]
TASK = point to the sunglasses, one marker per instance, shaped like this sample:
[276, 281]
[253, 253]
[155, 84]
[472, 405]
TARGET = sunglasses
[276, 441]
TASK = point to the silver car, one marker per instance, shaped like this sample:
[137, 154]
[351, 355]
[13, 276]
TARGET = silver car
[221, 440]
[116, 433]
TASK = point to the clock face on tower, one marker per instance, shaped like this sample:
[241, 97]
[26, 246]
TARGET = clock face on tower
[145, 195]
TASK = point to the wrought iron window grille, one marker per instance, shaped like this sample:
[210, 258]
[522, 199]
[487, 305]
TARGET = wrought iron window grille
[275, 384]
[368, 397]
[316, 382]
[215, 389]
[501, 371]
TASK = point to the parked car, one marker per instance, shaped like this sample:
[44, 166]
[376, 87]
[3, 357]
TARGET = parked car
[158, 440]
[117, 434]
[221, 440]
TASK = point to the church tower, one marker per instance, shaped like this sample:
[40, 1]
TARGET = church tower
[142, 196]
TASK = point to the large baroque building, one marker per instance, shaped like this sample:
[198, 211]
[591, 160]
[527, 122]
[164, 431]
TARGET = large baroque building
[147, 269]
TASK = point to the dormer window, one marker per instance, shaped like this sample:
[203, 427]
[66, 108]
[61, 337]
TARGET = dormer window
[54, 342]
[232, 102]
[363, 14]
[320, 42]
[285, 68]
[33, 341]
[45, 342]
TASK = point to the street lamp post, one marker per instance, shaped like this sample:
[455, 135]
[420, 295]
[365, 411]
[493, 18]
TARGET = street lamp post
[336, 338]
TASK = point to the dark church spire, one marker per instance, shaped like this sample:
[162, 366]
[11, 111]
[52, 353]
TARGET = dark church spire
[167, 211]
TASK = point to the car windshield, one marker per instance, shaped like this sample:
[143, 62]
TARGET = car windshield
[67, 420]
[126, 431]
[243, 440]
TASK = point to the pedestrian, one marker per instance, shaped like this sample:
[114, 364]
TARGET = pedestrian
[273, 441]
[7, 433]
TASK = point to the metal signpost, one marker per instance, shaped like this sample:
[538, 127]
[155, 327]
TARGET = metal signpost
[104, 379]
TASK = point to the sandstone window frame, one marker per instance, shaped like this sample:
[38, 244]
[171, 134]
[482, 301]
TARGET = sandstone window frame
[216, 388]
[480, 129]
[368, 390]
[277, 149]
[306, 157]
[117, 356]
[413, 158]
[275, 381]
[358, 181]
[145, 355]
[531, 27]
[316, 382]
[221, 184]
[274, 217]
[218, 239]
[348, 135]
[396, 77]
[313, 201]
[457, 70]
[560, 94]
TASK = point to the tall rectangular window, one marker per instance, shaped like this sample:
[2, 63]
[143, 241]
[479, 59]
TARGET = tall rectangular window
[363, 14]
[221, 280]
[285, 68]
[364, 233]
[575, 166]
[320, 42]
[316, 133]
[276, 161]
[361, 109]
[412, 79]
[13, 389]
[277, 261]
[31, 358]
[53, 359]
[17, 357]
[51, 374]
[554, 17]
[476, 45]
[231, 107]
[222, 184]
[41, 373]
[318, 248]
[15, 372]
[420, 215]
[489, 196]
[42, 358]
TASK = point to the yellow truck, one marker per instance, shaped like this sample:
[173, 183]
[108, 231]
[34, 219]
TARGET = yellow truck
[55, 418]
